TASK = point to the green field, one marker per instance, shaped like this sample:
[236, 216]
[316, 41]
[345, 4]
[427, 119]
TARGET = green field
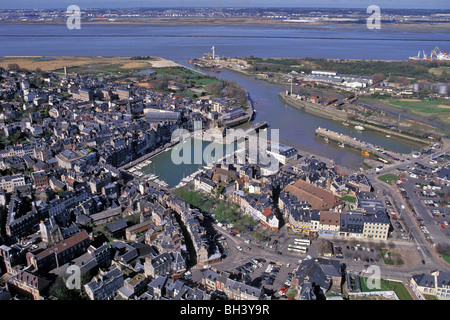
[425, 107]
[189, 78]
[393, 259]
[181, 73]
[430, 110]
[349, 199]
[385, 285]
[388, 178]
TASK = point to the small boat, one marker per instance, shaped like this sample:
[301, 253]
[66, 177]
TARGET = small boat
[359, 128]
[365, 153]
[341, 145]
[388, 136]
[345, 123]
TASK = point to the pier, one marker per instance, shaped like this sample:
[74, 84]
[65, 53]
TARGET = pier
[368, 149]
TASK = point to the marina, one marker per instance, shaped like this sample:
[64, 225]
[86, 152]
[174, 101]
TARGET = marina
[138, 171]
[185, 181]
[162, 171]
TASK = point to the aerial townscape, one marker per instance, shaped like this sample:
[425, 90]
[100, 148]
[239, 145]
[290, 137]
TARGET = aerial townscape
[94, 207]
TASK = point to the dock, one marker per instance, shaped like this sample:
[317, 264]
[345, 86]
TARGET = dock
[149, 155]
[370, 150]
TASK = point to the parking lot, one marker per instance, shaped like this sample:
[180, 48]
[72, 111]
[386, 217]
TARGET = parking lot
[399, 230]
[430, 201]
[274, 266]
[365, 253]
[276, 277]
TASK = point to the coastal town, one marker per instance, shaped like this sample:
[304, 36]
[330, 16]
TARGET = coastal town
[287, 15]
[74, 200]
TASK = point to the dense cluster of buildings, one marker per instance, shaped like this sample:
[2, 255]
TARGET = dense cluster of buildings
[307, 198]
[63, 194]
[280, 15]
[311, 280]
[66, 204]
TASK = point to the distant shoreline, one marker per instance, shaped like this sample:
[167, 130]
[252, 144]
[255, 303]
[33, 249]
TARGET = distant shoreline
[231, 21]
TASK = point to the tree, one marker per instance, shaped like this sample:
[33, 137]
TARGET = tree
[13, 66]
[424, 92]
[214, 88]
[60, 291]
[403, 81]
[443, 249]
[378, 77]
[161, 86]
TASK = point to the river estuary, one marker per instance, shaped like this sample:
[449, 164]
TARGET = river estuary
[182, 43]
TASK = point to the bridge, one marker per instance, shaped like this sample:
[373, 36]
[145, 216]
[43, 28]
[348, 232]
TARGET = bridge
[438, 154]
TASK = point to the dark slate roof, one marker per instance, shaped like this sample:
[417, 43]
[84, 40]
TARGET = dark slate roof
[424, 280]
[117, 225]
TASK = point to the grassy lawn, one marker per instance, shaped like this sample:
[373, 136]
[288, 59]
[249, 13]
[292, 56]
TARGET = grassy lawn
[426, 107]
[398, 287]
[388, 178]
[187, 93]
[446, 258]
[179, 72]
[188, 77]
[222, 211]
[437, 109]
[291, 293]
[349, 199]
[205, 81]
[393, 259]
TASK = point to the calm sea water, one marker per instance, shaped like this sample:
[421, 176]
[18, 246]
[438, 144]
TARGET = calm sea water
[172, 173]
[181, 43]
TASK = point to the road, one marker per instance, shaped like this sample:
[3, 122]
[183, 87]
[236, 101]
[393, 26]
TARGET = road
[402, 273]
[237, 258]
[423, 247]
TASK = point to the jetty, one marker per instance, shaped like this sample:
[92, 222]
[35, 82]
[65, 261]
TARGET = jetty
[367, 149]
